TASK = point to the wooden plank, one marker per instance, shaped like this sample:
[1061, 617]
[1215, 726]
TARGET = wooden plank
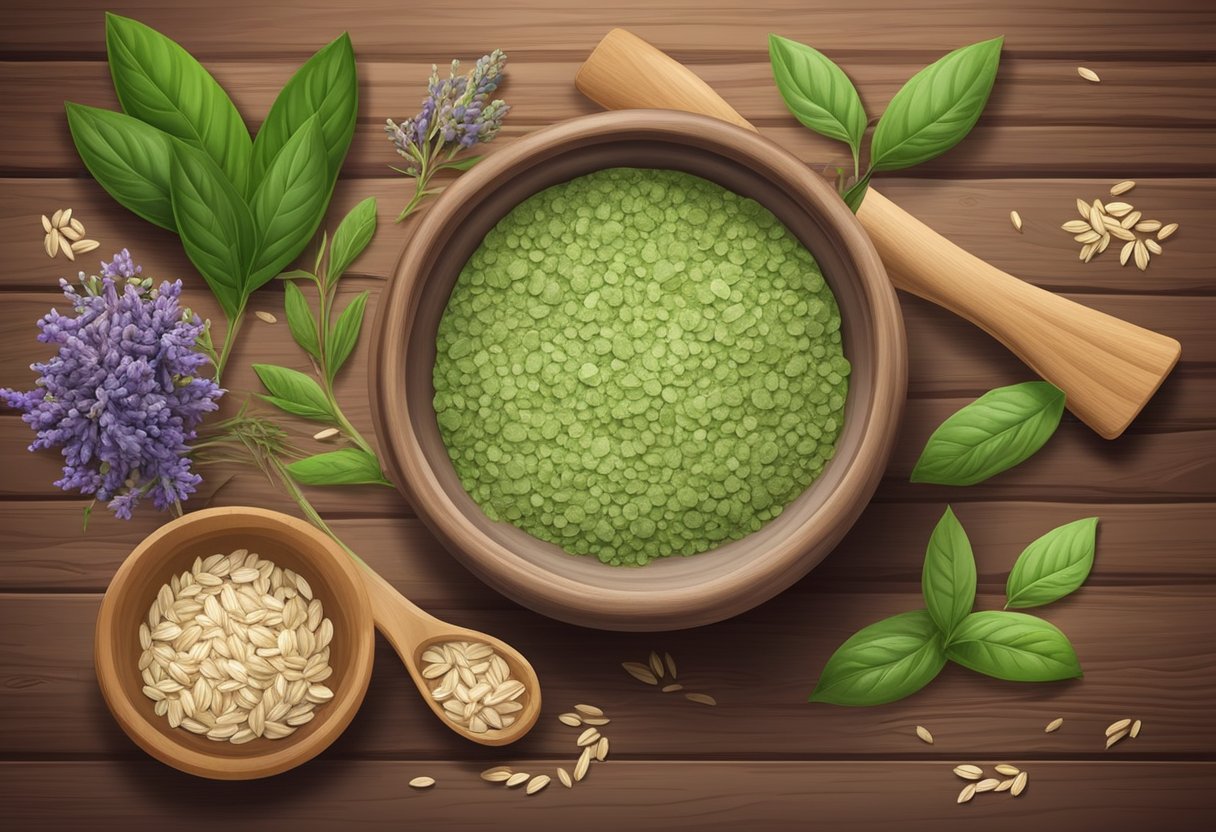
[989, 151]
[760, 666]
[1029, 91]
[1155, 544]
[706, 796]
[382, 29]
[975, 214]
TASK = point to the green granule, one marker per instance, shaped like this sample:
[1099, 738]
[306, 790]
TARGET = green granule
[637, 364]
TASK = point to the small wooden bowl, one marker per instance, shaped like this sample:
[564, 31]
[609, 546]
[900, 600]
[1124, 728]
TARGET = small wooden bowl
[675, 592]
[171, 549]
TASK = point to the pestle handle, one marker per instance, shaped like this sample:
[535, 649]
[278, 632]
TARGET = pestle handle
[1108, 368]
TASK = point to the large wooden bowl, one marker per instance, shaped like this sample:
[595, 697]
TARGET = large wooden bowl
[668, 593]
[290, 543]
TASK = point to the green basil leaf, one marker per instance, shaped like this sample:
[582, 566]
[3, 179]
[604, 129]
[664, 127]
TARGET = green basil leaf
[295, 393]
[856, 194]
[885, 661]
[461, 164]
[1053, 566]
[1013, 646]
[937, 108]
[300, 320]
[948, 577]
[128, 158]
[296, 274]
[288, 204]
[326, 86]
[160, 83]
[994, 433]
[345, 335]
[214, 224]
[817, 92]
[349, 466]
[353, 234]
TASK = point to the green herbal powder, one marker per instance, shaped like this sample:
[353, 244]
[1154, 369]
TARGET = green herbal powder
[638, 363]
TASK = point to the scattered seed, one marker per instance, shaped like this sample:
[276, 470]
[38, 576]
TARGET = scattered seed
[589, 710]
[327, 433]
[596, 720]
[498, 774]
[422, 782]
[1152, 245]
[969, 772]
[1117, 725]
[701, 698]
[1126, 253]
[57, 217]
[1019, 784]
[1004, 785]
[1055, 724]
[987, 785]
[1122, 187]
[587, 737]
[1082, 208]
[671, 665]
[1087, 237]
[46, 224]
[1131, 219]
[1140, 253]
[672, 688]
[517, 778]
[1077, 226]
[1016, 219]
[656, 665]
[601, 749]
[1135, 732]
[1095, 216]
[537, 783]
[1167, 230]
[1111, 739]
[923, 733]
[76, 225]
[573, 720]
[1148, 226]
[640, 672]
[1008, 770]
[967, 793]
[1088, 74]
[564, 776]
[583, 764]
[266, 316]
[65, 246]
[1118, 209]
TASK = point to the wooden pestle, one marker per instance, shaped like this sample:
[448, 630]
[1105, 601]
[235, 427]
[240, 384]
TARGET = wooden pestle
[1108, 368]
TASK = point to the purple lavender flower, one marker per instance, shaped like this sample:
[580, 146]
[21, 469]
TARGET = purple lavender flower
[456, 114]
[121, 398]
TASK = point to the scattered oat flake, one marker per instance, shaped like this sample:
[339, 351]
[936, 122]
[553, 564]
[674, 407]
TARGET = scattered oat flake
[1117, 725]
[969, 772]
[987, 785]
[537, 783]
[422, 782]
[967, 793]
[672, 688]
[1167, 230]
[328, 433]
[1054, 725]
[498, 774]
[671, 665]
[46, 224]
[923, 733]
[1016, 219]
[1111, 739]
[589, 710]
[266, 316]
[573, 720]
[1004, 785]
[640, 672]
[656, 664]
[1088, 74]
[1008, 770]
[564, 776]
[1019, 784]
[702, 698]
[517, 778]
[1135, 732]
[1122, 188]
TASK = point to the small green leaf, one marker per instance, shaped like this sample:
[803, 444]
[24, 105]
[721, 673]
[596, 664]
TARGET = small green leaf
[817, 92]
[296, 274]
[293, 392]
[128, 158]
[345, 335]
[300, 320]
[161, 84]
[214, 224]
[349, 466]
[1013, 646]
[326, 86]
[1053, 566]
[288, 204]
[997, 431]
[856, 194]
[948, 576]
[353, 234]
[936, 108]
[885, 661]
[462, 164]
[316, 265]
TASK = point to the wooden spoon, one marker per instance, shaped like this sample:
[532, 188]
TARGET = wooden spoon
[411, 631]
[1108, 368]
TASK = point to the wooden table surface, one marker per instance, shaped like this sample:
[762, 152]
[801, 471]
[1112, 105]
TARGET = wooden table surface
[1143, 625]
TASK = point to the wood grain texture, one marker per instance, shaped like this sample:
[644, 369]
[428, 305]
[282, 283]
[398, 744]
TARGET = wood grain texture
[1125, 636]
[678, 794]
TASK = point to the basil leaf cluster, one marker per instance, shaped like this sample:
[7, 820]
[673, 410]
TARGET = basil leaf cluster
[930, 114]
[179, 156]
[898, 656]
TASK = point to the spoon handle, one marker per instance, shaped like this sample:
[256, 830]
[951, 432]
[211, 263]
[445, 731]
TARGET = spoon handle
[1108, 368]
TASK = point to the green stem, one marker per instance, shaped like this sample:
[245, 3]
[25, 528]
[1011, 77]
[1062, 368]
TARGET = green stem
[307, 508]
[234, 326]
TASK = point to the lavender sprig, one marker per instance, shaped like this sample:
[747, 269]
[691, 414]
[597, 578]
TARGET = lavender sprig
[456, 115]
[121, 398]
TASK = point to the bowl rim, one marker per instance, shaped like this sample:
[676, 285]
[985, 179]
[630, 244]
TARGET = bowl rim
[578, 602]
[281, 755]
